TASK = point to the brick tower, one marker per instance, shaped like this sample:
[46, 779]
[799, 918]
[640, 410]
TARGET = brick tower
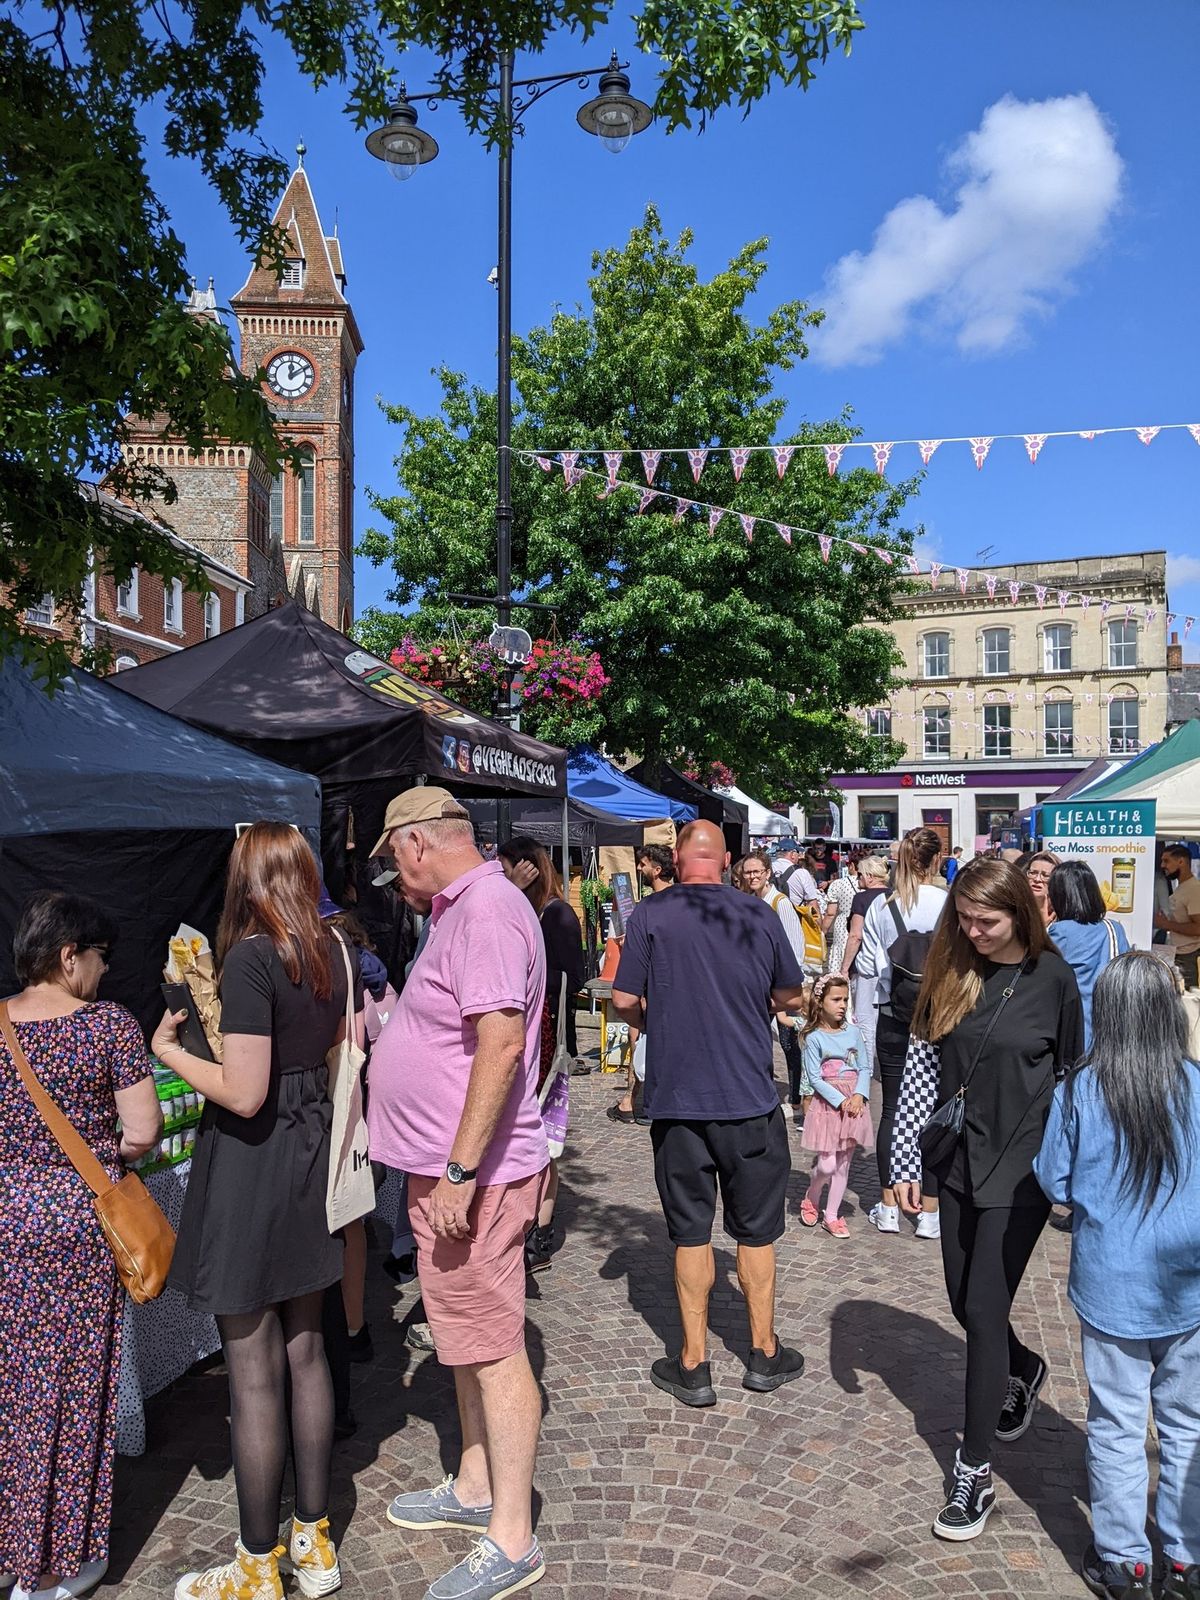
[301, 331]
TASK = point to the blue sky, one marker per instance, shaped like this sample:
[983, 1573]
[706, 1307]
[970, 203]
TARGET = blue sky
[1019, 296]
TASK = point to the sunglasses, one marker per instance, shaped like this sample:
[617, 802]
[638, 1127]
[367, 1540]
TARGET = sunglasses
[104, 951]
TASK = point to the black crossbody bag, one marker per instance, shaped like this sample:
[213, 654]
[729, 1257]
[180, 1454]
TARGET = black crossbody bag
[940, 1136]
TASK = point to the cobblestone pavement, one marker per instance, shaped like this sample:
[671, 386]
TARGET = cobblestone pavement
[825, 1489]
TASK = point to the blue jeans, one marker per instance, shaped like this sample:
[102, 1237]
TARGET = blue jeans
[1126, 1377]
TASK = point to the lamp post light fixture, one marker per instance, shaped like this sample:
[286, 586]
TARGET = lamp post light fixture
[614, 116]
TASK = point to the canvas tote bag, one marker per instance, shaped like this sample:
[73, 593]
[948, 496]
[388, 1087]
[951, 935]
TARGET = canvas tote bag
[351, 1190]
[555, 1097]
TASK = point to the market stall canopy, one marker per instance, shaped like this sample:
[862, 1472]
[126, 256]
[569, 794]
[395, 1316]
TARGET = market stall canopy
[1169, 774]
[764, 823]
[103, 795]
[729, 815]
[1103, 768]
[587, 828]
[597, 782]
[293, 689]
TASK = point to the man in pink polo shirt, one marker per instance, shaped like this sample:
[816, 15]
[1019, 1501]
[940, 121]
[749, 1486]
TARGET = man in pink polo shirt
[454, 1104]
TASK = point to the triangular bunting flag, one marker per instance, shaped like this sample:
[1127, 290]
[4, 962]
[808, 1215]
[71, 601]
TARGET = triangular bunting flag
[1085, 601]
[884, 555]
[859, 549]
[784, 532]
[682, 507]
[979, 451]
[738, 457]
[545, 463]
[914, 566]
[825, 541]
[991, 587]
[1105, 607]
[696, 460]
[1063, 596]
[568, 459]
[1146, 434]
[882, 454]
[833, 456]
[1033, 444]
[650, 460]
[1194, 429]
[1187, 625]
[964, 578]
[747, 522]
[715, 513]
[783, 454]
[647, 499]
[935, 572]
[1150, 616]
[1089, 434]
[612, 465]
[1039, 590]
[926, 448]
[1128, 613]
[1170, 618]
[1014, 590]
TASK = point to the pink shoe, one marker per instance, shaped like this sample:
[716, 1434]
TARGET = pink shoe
[809, 1215]
[837, 1228]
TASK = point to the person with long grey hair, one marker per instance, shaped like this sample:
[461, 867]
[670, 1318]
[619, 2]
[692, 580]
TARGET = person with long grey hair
[1122, 1146]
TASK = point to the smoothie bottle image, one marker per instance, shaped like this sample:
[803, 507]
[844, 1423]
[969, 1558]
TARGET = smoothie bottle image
[1124, 869]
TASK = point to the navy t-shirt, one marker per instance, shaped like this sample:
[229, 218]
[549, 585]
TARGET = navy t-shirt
[706, 957]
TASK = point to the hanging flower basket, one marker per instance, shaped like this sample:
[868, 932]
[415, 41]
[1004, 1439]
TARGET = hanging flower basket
[567, 673]
[467, 670]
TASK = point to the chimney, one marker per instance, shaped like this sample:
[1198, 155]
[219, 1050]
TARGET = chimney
[1174, 654]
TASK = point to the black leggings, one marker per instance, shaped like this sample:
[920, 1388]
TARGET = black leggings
[261, 1349]
[984, 1256]
[792, 1044]
[891, 1046]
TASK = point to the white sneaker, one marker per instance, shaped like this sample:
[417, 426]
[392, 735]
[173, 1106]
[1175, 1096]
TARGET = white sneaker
[886, 1218]
[929, 1225]
[88, 1577]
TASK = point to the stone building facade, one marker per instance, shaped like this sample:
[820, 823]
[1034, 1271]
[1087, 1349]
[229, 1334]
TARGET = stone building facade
[1002, 702]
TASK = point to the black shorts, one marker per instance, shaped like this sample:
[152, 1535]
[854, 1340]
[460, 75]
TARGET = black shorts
[751, 1162]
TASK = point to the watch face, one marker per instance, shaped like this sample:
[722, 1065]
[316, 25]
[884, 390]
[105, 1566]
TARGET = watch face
[290, 374]
[455, 1172]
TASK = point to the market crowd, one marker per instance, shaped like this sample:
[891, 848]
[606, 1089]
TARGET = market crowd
[1026, 1058]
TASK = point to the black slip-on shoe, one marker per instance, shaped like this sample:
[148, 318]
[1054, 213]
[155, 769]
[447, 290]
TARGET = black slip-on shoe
[692, 1386]
[764, 1373]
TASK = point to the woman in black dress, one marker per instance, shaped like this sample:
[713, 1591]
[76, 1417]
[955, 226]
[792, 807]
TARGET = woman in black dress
[254, 1247]
[999, 1012]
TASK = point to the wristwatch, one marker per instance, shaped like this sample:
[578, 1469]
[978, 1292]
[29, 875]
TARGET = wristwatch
[459, 1174]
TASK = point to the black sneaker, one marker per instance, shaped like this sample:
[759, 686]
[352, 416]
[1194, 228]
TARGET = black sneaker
[764, 1373]
[361, 1348]
[691, 1385]
[1117, 1580]
[539, 1249]
[1181, 1582]
[1020, 1403]
[972, 1501]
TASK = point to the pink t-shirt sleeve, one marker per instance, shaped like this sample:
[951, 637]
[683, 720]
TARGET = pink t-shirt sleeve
[491, 965]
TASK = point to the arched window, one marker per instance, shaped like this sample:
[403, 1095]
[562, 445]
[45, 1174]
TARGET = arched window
[307, 521]
[935, 655]
[277, 507]
[123, 663]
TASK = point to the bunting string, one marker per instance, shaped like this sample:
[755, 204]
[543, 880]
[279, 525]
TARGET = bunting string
[680, 507]
[740, 456]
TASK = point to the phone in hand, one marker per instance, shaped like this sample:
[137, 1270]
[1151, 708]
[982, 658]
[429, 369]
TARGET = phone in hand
[191, 1030]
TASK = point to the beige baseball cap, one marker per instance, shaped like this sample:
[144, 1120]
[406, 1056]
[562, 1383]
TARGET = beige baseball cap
[425, 804]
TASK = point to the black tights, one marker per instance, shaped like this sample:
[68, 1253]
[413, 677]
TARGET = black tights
[261, 1348]
[984, 1256]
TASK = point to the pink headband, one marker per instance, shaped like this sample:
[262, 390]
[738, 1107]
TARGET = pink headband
[825, 980]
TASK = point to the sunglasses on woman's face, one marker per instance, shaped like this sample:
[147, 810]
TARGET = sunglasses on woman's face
[104, 951]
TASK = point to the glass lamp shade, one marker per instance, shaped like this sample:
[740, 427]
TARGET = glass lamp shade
[614, 126]
[402, 154]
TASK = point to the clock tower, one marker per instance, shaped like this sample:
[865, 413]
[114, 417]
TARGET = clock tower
[300, 331]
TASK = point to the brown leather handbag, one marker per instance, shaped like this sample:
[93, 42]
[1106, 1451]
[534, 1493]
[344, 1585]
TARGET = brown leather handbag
[141, 1238]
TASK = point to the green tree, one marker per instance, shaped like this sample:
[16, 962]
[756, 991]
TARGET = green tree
[91, 273]
[719, 649]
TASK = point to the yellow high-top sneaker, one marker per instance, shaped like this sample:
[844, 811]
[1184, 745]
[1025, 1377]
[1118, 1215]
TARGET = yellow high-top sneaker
[246, 1577]
[312, 1556]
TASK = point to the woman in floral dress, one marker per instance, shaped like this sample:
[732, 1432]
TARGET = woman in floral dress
[61, 1328]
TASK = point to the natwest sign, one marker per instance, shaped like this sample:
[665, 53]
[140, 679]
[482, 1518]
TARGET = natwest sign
[933, 780]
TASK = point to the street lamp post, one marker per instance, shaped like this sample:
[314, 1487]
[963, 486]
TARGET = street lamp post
[613, 116]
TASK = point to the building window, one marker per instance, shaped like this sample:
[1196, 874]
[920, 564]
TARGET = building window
[996, 651]
[879, 724]
[1057, 640]
[1122, 644]
[173, 605]
[127, 595]
[293, 273]
[212, 615]
[937, 730]
[1059, 727]
[239, 608]
[277, 507]
[1123, 739]
[123, 663]
[42, 614]
[307, 527]
[881, 821]
[937, 655]
[997, 731]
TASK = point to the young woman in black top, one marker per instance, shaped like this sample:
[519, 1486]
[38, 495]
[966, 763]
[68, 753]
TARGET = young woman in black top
[1002, 1008]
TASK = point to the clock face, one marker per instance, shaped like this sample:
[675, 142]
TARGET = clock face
[290, 374]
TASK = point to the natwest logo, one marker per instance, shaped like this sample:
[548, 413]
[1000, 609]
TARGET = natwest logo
[933, 780]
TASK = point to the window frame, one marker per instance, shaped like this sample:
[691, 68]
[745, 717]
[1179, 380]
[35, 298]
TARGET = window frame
[1124, 626]
[875, 732]
[307, 484]
[942, 713]
[295, 270]
[212, 615]
[43, 614]
[1123, 745]
[1058, 748]
[173, 596]
[1001, 735]
[1054, 630]
[129, 607]
[996, 672]
[277, 508]
[926, 640]
[124, 663]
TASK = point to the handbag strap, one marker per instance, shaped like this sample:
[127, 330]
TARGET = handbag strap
[562, 1014]
[69, 1142]
[1112, 939]
[893, 907]
[1005, 997]
[350, 1039]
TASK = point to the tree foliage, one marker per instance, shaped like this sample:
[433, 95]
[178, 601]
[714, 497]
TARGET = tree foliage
[91, 273]
[753, 654]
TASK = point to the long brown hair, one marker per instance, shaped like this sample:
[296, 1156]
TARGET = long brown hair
[814, 1017]
[544, 887]
[273, 888]
[915, 861]
[953, 979]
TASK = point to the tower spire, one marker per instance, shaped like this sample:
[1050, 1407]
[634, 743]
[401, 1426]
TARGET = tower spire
[301, 152]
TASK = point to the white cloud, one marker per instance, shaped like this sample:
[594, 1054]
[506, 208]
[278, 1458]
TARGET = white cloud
[1182, 570]
[1039, 181]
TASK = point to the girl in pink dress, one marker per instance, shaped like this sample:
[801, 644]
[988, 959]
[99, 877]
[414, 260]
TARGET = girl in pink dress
[838, 1121]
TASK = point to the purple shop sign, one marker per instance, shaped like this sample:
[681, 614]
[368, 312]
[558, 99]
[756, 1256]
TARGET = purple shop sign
[941, 779]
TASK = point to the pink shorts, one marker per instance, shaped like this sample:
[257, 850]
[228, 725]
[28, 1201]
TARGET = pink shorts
[474, 1288]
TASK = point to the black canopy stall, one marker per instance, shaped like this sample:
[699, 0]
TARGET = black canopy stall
[733, 819]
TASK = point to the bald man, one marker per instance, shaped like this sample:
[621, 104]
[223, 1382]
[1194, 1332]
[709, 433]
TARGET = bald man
[707, 967]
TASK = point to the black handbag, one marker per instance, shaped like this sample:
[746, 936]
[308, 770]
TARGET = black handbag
[940, 1136]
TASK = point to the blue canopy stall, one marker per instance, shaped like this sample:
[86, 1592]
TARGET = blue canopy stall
[595, 781]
